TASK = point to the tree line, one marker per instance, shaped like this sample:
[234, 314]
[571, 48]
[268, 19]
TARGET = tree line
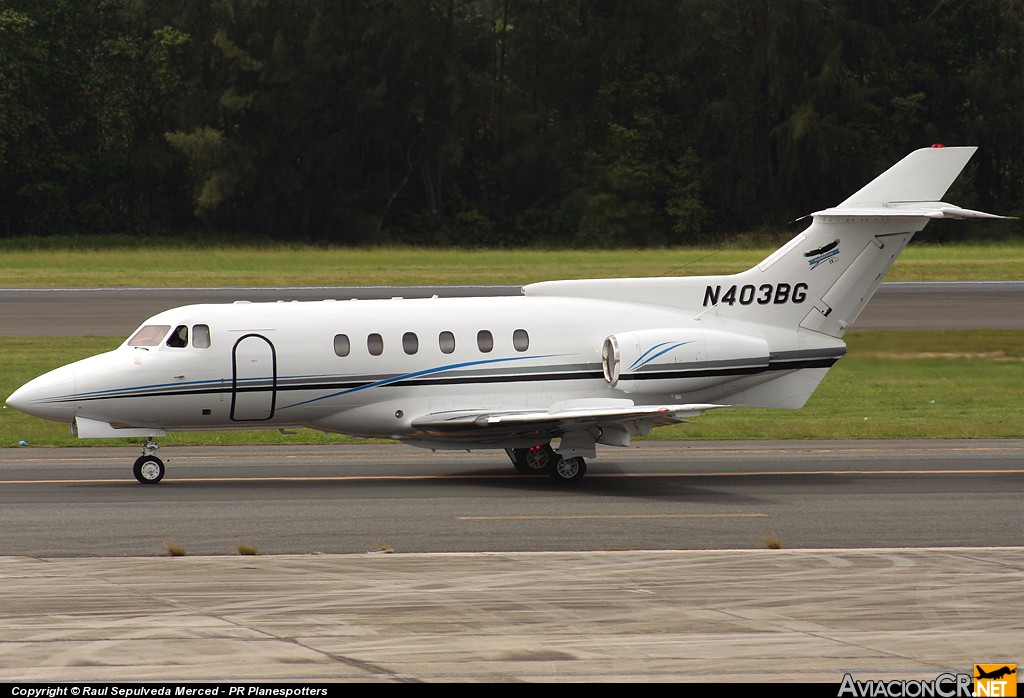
[490, 122]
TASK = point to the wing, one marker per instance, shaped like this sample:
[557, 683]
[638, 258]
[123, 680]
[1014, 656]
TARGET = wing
[599, 415]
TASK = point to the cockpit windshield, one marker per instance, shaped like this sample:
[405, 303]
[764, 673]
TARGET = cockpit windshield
[149, 336]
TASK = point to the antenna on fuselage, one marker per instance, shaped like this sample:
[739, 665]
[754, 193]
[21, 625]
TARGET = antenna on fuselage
[692, 261]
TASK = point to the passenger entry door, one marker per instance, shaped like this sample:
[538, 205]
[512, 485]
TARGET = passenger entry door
[254, 379]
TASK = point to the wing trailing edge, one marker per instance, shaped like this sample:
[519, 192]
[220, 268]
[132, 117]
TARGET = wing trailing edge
[572, 415]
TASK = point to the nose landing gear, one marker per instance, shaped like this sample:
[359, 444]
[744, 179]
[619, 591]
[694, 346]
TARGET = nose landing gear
[149, 469]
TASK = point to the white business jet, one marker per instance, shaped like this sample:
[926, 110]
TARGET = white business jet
[583, 362]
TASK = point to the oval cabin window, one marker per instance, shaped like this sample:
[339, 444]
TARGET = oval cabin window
[375, 344]
[484, 341]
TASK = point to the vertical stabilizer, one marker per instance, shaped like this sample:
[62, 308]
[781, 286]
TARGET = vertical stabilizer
[922, 176]
[837, 264]
[822, 278]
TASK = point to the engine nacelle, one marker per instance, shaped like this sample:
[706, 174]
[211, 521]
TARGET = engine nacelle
[668, 361]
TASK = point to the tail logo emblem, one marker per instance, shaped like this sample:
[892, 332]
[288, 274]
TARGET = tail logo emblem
[823, 254]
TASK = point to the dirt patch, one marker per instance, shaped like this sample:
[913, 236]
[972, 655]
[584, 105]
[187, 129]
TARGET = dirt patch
[982, 355]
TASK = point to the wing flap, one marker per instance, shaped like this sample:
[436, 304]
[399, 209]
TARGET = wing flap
[562, 417]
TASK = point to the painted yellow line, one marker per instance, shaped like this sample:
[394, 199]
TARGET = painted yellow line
[611, 516]
[516, 476]
[763, 473]
[282, 478]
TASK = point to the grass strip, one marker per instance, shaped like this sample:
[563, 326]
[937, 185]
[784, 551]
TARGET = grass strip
[310, 266]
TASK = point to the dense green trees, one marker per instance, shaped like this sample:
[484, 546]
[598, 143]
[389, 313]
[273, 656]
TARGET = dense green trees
[489, 122]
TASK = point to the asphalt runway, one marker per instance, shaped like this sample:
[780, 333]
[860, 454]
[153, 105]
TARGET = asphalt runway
[74, 312]
[358, 498]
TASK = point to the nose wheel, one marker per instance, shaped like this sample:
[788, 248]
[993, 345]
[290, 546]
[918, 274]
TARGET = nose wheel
[149, 469]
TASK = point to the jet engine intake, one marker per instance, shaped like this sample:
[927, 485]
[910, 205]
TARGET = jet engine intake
[672, 360]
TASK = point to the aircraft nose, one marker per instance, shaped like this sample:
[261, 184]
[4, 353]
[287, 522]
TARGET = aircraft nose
[50, 396]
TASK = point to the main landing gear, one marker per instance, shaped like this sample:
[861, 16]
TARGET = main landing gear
[149, 469]
[543, 459]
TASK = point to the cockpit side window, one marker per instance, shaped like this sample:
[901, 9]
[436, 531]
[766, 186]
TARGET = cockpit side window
[178, 338]
[149, 336]
[201, 336]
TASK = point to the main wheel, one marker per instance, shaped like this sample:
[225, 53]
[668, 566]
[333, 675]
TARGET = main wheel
[149, 470]
[568, 469]
[534, 459]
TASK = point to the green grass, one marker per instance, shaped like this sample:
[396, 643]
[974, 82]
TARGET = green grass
[302, 266]
[897, 384]
[920, 384]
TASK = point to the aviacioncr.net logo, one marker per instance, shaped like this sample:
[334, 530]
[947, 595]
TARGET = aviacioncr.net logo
[942, 686]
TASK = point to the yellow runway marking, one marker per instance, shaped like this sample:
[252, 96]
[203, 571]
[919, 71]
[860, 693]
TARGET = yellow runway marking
[989, 471]
[610, 516]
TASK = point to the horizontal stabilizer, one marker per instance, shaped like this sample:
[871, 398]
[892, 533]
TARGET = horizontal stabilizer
[909, 209]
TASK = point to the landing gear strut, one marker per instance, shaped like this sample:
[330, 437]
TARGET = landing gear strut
[149, 469]
[540, 459]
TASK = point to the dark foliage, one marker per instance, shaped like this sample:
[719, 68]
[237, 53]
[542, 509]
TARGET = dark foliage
[489, 122]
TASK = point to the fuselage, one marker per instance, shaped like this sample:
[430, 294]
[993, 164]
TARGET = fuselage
[372, 367]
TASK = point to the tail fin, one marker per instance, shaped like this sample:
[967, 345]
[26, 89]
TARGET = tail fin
[821, 279]
[924, 175]
[834, 267]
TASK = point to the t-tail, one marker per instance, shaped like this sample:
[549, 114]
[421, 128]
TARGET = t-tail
[822, 278]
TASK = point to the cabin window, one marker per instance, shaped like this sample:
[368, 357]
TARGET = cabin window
[446, 340]
[484, 341]
[201, 336]
[178, 338]
[521, 340]
[375, 344]
[341, 345]
[410, 343]
[149, 336]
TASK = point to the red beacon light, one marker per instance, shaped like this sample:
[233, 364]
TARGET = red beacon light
[938, 145]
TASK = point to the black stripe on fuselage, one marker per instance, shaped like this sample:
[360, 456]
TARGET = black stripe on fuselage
[731, 371]
[773, 366]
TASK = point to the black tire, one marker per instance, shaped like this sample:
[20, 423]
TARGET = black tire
[533, 460]
[149, 470]
[568, 469]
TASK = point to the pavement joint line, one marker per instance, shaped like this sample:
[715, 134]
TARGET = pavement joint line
[373, 670]
[518, 476]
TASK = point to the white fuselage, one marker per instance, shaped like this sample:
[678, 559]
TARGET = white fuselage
[278, 364]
